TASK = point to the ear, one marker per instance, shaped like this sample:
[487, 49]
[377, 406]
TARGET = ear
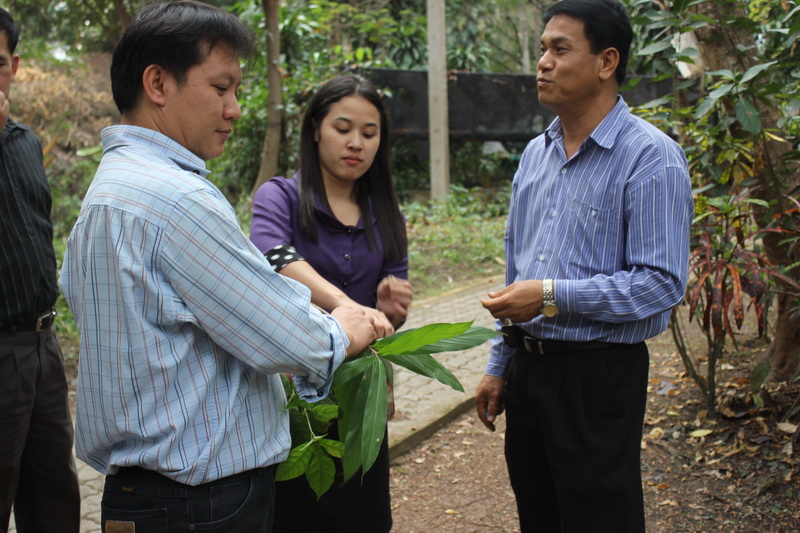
[609, 60]
[14, 67]
[155, 84]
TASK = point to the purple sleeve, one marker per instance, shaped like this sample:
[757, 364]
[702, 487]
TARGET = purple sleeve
[274, 210]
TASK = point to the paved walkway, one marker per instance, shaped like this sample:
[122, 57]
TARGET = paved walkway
[422, 405]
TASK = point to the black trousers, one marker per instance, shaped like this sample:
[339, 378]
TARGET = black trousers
[573, 437]
[142, 501]
[37, 468]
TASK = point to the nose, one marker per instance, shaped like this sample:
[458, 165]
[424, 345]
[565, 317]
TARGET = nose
[544, 63]
[232, 110]
[355, 142]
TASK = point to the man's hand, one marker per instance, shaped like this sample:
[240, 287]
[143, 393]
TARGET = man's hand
[4, 109]
[383, 326]
[520, 302]
[394, 298]
[358, 326]
[489, 399]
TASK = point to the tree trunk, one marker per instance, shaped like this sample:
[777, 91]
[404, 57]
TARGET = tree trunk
[272, 139]
[720, 51]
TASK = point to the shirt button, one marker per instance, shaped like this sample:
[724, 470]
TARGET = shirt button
[320, 393]
[553, 213]
[594, 212]
[345, 284]
[347, 257]
[541, 257]
[349, 231]
[563, 170]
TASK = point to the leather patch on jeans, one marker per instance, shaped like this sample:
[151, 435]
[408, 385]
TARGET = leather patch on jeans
[115, 526]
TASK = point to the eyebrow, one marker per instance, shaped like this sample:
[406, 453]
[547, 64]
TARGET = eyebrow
[350, 121]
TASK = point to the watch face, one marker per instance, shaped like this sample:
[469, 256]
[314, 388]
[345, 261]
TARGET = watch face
[549, 310]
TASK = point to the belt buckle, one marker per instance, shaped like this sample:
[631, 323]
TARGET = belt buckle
[529, 342]
[45, 322]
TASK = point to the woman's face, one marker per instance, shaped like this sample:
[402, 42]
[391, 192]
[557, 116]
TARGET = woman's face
[348, 140]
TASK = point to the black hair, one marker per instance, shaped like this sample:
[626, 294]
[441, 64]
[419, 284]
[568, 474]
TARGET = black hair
[605, 24]
[8, 27]
[176, 36]
[374, 191]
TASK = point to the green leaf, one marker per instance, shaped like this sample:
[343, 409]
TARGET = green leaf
[706, 105]
[296, 464]
[325, 412]
[748, 116]
[474, 336]
[367, 425]
[725, 73]
[411, 340]
[427, 366]
[350, 369]
[321, 471]
[333, 447]
[752, 72]
[654, 48]
[721, 91]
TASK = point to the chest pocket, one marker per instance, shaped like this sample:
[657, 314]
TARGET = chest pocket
[595, 236]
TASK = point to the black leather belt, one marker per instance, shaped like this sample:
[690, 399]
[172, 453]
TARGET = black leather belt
[516, 337]
[38, 324]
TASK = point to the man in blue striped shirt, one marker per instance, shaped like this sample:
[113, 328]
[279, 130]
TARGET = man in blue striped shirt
[597, 253]
[184, 325]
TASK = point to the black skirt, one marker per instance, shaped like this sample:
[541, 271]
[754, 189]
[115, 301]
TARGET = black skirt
[362, 505]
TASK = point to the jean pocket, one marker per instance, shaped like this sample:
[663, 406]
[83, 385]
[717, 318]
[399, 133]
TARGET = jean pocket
[242, 506]
[129, 521]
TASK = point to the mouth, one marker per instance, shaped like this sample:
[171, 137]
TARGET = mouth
[352, 160]
[225, 133]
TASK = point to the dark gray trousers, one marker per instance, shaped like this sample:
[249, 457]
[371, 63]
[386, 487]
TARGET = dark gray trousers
[573, 439]
[37, 467]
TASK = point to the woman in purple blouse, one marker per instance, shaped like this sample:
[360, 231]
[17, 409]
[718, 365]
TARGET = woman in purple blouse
[336, 227]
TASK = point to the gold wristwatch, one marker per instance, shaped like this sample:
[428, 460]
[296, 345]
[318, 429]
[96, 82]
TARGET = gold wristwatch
[549, 307]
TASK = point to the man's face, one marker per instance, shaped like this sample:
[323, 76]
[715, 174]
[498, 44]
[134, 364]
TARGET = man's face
[199, 113]
[567, 71]
[8, 65]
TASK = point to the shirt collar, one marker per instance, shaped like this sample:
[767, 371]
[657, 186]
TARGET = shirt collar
[9, 127]
[325, 214]
[605, 132]
[158, 143]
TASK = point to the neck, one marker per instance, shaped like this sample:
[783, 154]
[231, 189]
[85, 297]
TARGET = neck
[578, 123]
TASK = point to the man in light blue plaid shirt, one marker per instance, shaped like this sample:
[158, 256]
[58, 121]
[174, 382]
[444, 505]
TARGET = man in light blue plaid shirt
[184, 325]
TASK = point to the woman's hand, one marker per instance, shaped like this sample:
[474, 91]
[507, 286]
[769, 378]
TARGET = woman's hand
[394, 298]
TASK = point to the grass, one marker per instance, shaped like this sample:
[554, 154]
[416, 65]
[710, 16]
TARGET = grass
[457, 240]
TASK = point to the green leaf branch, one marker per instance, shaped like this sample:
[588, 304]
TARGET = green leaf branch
[359, 401]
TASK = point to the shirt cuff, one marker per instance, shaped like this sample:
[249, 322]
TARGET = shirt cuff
[499, 357]
[339, 344]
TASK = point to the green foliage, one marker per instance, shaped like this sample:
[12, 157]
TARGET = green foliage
[464, 229]
[724, 134]
[360, 389]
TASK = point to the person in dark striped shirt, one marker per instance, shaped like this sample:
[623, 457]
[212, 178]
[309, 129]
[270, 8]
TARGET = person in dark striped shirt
[597, 248]
[37, 468]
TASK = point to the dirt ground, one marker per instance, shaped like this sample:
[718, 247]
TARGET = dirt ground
[739, 473]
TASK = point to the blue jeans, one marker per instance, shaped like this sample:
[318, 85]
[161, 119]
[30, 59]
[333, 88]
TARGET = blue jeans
[140, 501]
